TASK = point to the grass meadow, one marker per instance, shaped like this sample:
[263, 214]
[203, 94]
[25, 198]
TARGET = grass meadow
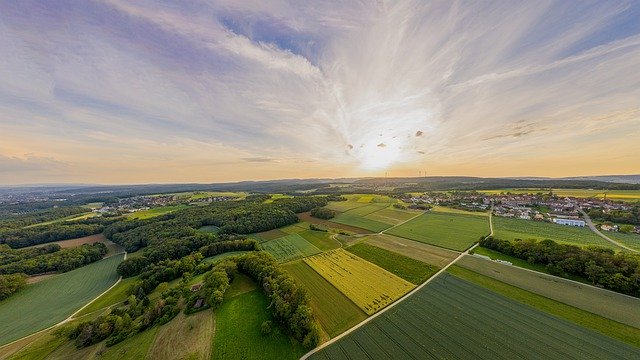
[433, 255]
[50, 301]
[369, 286]
[451, 231]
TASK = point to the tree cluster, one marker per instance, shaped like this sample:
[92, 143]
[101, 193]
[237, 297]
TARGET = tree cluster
[631, 216]
[40, 216]
[603, 267]
[290, 304]
[19, 238]
[322, 213]
[9, 255]
[11, 284]
[59, 261]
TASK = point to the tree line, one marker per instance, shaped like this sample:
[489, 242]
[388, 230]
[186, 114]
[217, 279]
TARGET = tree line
[59, 261]
[9, 255]
[322, 213]
[40, 216]
[11, 284]
[631, 216]
[603, 267]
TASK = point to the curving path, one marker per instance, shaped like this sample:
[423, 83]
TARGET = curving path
[593, 228]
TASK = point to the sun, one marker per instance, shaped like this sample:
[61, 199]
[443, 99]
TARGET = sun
[378, 154]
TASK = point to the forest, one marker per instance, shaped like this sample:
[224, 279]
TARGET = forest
[631, 216]
[603, 267]
[59, 261]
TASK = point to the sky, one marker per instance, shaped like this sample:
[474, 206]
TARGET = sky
[117, 91]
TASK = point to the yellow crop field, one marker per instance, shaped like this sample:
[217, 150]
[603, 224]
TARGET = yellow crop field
[367, 285]
[365, 199]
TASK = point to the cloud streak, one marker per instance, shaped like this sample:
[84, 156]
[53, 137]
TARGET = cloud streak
[204, 88]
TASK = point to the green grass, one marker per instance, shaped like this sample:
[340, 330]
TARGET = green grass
[511, 229]
[629, 240]
[334, 311]
[209, 229]
[184, 337]
[290, 247]
[449, 210]
[578, 316]
[38, 348]
[412, 270]
[357, 217]
[219, 257]
[73, 217]
[238, 336]
[451, 318]
[447, 230]
[133, 348]
[392, 215]
[50, 301]
[321, 239]
[146, 214]
[117, 294]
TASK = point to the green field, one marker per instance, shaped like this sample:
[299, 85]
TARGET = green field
[237, 331]
[334, 311]
[455, 319]
[68, 218]
[602, 302]
[447, 230]
[290, 247]
[50, 301]
[209, 229]
[606, 326]
[219, 257]
[621, 195]
[367, 285]
[358, 217]
[458, 211]
[392, 215]
[184, 337]
[146, 214]
[320, 239]
[511, 229]
[407, 268]
[629, 240]
[118, 293]
[429, 254]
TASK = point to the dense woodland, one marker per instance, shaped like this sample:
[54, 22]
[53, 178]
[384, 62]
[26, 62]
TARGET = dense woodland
[9, 255]
[603, 267]
[59, 261]
[323, 213]
[39, 216]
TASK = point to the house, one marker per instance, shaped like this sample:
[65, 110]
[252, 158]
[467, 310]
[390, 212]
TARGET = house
[607, 227]
[198, 303]
[569, 222]
[196, 287]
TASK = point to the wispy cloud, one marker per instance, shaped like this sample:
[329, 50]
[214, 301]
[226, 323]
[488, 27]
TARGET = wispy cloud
[266, 86]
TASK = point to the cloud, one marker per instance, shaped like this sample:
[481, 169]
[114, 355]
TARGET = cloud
[240, 82]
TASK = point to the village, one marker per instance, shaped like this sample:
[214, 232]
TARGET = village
[534, 207]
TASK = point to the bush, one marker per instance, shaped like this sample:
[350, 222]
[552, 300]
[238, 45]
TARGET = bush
[322, 213]
[265, 328]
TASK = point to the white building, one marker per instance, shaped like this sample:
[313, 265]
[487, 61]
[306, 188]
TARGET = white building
[570, 222]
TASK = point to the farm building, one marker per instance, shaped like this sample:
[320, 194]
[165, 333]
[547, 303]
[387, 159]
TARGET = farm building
[570, 222]
[196, 287]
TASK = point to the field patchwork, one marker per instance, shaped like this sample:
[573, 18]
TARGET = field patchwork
[412, 270]
[50, 301]
[429, 254]
[290, 247]
[448, 230]
[455, 319]
[369, 286]
[334, 311]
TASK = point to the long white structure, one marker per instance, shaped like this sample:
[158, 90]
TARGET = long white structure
[570, 222]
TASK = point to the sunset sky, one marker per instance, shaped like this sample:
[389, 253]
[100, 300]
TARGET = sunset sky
[121, 91]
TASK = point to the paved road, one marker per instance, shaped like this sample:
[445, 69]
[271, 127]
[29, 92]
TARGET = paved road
[593, 228]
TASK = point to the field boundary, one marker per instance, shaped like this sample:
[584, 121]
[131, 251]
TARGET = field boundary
[70, 318]
[407, 295]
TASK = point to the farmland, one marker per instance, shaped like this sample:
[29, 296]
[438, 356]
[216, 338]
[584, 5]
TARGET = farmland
[429, 254]
[321, 240]
[623, 332]
[290, 247]
[237, 331]
[453, 318]
[50, 301]
[306, 217]
[575, 294]
[358, 217]
[146, 214]
[392, 215]
[370, 287]
[407, 268]
[115, 295]
[334, 311]
[620, 195]
[511, 229]
[447, 230]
